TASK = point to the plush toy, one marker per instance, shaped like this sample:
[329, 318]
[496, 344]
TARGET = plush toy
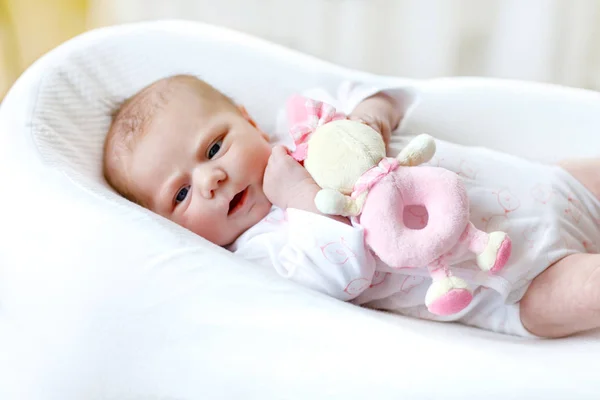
[347, 159]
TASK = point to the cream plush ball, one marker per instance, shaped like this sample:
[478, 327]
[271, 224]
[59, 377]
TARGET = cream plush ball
[353, 145]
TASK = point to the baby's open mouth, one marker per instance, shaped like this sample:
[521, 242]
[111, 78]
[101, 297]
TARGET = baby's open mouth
[237, 202]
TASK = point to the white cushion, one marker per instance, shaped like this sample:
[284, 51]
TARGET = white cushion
[102, 299]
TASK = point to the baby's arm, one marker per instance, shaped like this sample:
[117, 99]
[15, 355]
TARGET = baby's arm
[320, 252]
[325, 256]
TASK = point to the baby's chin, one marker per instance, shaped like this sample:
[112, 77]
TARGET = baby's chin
[259, 212]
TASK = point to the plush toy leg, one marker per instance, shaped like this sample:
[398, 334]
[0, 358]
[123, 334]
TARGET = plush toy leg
[447, 294]
[418, 151]
[492, 249]
[332, 202]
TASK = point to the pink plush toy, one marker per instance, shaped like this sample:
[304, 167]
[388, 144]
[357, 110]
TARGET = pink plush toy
[347, 160]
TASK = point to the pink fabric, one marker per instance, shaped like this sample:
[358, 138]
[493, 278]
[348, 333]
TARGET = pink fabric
[374, 175]
[304, 116]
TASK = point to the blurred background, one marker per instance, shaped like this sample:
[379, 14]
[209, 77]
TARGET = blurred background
[543, 40]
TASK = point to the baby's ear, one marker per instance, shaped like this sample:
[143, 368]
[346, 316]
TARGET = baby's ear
[246, 115]
[248, 118]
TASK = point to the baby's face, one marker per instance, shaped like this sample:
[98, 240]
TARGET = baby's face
[201, 165]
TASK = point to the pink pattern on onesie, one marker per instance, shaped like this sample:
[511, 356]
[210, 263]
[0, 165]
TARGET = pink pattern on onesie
[466, 170]
[411, 282]
[496, 223]
[542, 193]
[378, 278]
[507, 200]
[337, 252]
[573, 209]
[357, 286]
[277, 216]
[532, 232]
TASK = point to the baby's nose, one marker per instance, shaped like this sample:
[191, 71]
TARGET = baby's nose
[211, 182]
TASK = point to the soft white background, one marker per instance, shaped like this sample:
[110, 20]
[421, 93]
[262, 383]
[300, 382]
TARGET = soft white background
[543, 40]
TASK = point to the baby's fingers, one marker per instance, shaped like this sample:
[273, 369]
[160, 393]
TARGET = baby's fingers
[279, 150]
[377, 125]
[279, 154]
[367, 121]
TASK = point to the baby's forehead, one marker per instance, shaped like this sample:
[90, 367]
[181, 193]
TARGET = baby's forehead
[135, 117]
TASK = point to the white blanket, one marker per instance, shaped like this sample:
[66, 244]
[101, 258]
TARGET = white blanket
[100, 299]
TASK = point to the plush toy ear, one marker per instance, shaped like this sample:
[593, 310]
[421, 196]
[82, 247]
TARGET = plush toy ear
[305, 115]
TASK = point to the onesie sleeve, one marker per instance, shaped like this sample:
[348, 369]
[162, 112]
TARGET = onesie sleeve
[348, 95]
[325, 255]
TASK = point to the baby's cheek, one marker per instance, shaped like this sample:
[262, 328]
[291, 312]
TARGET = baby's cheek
[187, 221]
[193, 219]
[241, 162]
[210, 228]
[257, 156]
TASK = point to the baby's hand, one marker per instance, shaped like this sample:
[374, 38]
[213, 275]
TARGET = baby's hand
[380, 112]
[286, 183]
[381, 125]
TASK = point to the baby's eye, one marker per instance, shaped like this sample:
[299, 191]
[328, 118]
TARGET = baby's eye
[182, 194]
[214, 149]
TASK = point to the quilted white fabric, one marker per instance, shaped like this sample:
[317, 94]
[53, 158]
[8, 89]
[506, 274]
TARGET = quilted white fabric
[100, 299]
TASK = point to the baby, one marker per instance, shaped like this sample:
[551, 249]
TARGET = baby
[189, 153]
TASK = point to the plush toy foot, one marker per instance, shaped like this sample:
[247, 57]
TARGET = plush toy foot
[496, 253]
[448, 296]
[330, 202]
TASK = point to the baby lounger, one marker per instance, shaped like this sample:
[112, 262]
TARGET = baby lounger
[100, 299]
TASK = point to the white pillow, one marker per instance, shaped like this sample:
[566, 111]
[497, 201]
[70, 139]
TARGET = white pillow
[100, 298]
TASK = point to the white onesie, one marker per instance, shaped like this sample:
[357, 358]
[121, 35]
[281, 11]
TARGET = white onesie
[547, 213]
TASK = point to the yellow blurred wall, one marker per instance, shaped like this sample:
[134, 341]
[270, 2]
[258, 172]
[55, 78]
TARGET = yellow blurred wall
[30, 28]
